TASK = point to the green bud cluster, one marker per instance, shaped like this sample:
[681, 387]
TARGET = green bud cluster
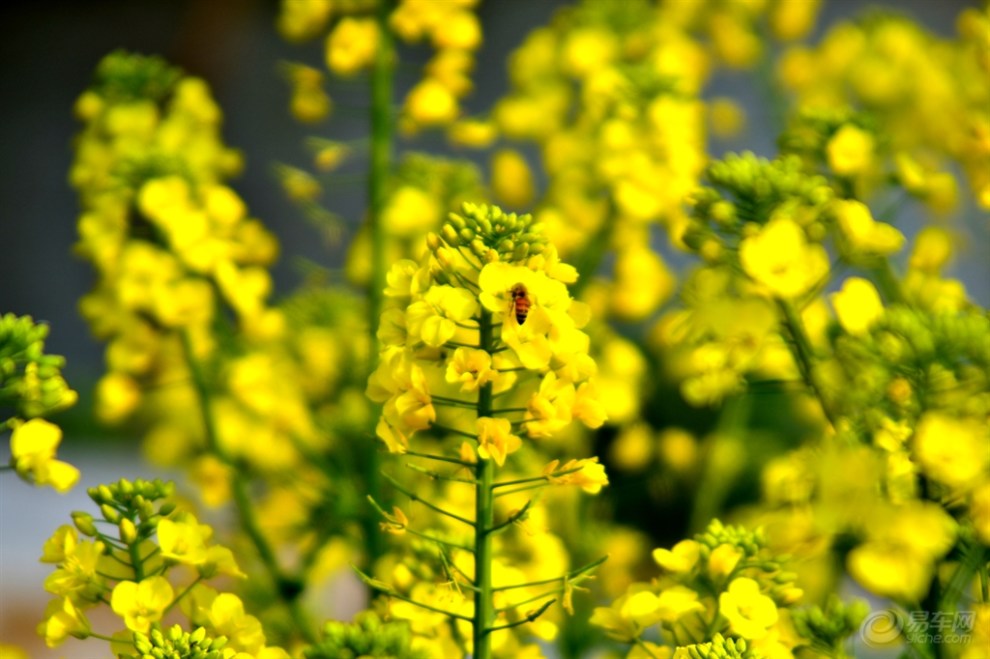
[829, 627]
[177, 644]
[122, 77]
[719, 648]
[939, 359]
[367, 636]
[746, 188]
[31, 382]
[717, 533]
[125, 502]
[492, 234]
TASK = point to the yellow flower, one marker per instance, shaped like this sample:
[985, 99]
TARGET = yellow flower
[141, 604]
[32, 448]
[793, 19]
[625, 619]
[641, 609]
[495, 439]
[952, 451]
[888, 571]
[750, 613]
[434, 319]
[430, 103]
[76, 576]
[395, 523]
[676, 602]
[459, 30]
[587, 50]
[680, 559]
[220, 560]
[183, 541]
[243, 631]
[857, 305]
[410, 211]
[512, 180]
[309, 103]
[723, 560]
[633, 448]
[850, 151]
[471, 368]
[351, 46]
[549, 409]
[933, 247]
[780, 258]
[62, 619]
[299, 20]
[863, 234]
[117, 394]
[588, 408]
[586, 473]
[472, 133]
[642, 283]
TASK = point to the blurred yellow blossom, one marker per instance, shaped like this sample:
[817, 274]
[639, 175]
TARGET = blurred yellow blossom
[857, 305]
[780, 258]
[32, 454]
[749, 612]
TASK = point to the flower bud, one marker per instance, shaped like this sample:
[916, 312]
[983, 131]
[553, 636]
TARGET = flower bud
[84, 522]
[110, 513]
[128, 532]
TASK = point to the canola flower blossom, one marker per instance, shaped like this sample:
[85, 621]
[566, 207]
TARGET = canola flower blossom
[486, 312]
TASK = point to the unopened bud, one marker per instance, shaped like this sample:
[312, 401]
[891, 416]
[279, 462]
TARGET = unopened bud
[110, 513]
[84, 522]
[128, 532]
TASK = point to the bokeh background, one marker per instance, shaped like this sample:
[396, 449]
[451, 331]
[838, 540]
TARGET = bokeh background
[48, 51]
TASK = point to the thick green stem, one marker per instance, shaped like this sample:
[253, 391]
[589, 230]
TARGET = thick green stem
[378, 174]
[484, 606]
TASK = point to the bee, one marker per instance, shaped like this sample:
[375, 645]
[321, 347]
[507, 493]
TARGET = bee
[520, 302]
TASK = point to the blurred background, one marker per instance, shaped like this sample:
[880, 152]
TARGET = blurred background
[47, 54]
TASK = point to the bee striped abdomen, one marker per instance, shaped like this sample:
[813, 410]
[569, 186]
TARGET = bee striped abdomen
[520, 303]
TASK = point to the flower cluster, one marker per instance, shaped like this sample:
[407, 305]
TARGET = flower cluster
[724, 583]
[216, 379]
[165, 234]
[354, 32]
[488, 310]
[129, 558]
[31, 382]
[367, 636]
[931, 91]
[31, 385]
[482, 344]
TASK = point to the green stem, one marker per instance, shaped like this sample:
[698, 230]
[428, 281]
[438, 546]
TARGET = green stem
[888, 281]
[379, 171]
[484, 605]
[136, 562]
[440, 458]
[184, 592]
[804, 354]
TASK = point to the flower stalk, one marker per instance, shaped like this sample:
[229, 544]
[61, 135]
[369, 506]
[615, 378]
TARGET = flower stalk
[484, 608]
